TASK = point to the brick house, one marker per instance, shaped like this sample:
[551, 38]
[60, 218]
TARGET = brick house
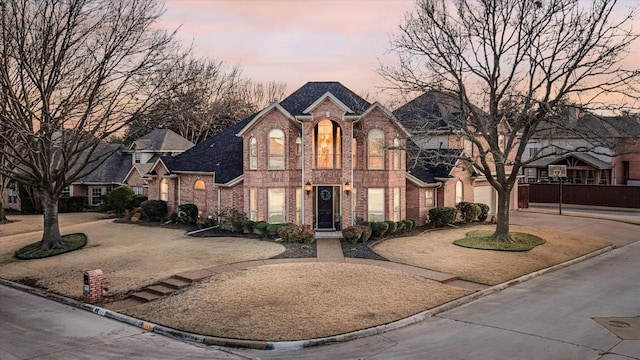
[323, 156]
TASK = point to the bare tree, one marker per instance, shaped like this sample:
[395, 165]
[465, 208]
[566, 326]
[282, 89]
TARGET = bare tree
[203, 98]
[72, 73]
[513, 67]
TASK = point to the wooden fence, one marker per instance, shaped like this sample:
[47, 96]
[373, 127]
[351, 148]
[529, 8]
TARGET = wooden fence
[598, 195]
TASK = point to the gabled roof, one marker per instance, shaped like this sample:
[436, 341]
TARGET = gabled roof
[220, 154]
[431, 111]
[302, 99]
[140, 168]
[584, 157]
[161, 140]
[430, 165]
[113, 170]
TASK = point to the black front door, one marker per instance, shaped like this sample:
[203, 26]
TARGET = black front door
[325, 207]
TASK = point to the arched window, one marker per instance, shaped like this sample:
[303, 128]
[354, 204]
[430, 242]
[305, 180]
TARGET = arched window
[164, 190]
[199, 185]
[397, 155]
[298, 152]
[375, 149]
[253, 153]
[327, 141]
[276, 149]
[459, 192]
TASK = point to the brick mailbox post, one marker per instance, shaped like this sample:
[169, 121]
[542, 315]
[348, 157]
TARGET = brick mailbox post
[93, 285]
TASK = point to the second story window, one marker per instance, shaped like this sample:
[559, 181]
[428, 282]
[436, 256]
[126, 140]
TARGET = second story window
[327, 141]
[397, 155]
[253, 153]
[298, 152]
[137, 156]
[375, 148]
[276, 149]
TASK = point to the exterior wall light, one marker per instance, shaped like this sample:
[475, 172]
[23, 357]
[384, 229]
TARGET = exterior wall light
[347, 187]
[308, 188]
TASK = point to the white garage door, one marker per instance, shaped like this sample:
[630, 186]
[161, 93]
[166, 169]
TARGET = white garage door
[484, 195]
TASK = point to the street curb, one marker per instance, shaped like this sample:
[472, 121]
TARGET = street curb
[292, 345]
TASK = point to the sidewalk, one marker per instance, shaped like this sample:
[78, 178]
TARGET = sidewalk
[629, 216]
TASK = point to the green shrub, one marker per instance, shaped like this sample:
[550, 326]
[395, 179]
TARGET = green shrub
[227, 216]
[248, 226]
[71, 204]
[442, 216]
[137, 200]
[352, 233]
[392, 227]
[400, 226]
[366, 232]
[261, 227]
[237, 226]
[408, 224]
[294, 233]
[484, 211]
[468, 211]
[120, 198]
[379, 228]
[154, 210]
[272, 229]
[187, 214]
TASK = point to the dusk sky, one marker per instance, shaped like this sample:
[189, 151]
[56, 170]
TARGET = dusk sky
[296, 41]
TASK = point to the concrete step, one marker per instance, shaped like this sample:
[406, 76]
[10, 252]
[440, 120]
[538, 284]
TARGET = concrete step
[161, 289]
[146, 296]
[176, 283]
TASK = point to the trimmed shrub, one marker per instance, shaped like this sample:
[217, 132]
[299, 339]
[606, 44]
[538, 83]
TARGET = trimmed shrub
[248, 226]
[379, 228]
[261, 227]
[392, 227]
[237, 226]
[484, 211]
[400, 226]
[468, 211]
[137, 200]
[154, 210]
[442, 216]
[352, 233]
[228, 216]
[294, 233]
[70, 204]
[272, 229]
[408, 224]
[187, 214]
[120, 198]
[366, 233]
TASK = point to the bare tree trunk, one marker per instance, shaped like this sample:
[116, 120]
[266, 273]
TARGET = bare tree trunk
[502, 217]
[3, 216]
[51, 237]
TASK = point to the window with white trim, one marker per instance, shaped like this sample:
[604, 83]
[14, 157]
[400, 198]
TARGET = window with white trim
[375, 148]
[276, 205]
[397, 155]
[428, 197]
[459, 191]
[298, 206]
[276, 149]
[96, 195]
[137, 190]
[397, 216]
[253, 204]
[253, 153]
[375, 204]
[298, 152]
[12, 193]
[164, 190]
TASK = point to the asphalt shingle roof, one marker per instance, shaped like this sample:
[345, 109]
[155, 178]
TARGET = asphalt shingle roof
[431, 111]
[302, 98]
[161, 140]
[221, 153]
[113, 170]
[427, 165]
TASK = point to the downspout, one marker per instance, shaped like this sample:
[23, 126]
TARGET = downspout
[353, 185]
[302, 183]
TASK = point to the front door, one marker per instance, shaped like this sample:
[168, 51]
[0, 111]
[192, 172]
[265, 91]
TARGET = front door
[325, 207]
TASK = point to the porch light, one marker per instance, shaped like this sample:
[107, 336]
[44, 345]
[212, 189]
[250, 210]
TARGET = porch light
[347, 187]
[307, 187]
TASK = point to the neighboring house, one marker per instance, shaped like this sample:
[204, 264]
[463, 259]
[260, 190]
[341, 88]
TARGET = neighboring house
[323, 156]
[436, 175]
[615, 162]
[127, 166]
